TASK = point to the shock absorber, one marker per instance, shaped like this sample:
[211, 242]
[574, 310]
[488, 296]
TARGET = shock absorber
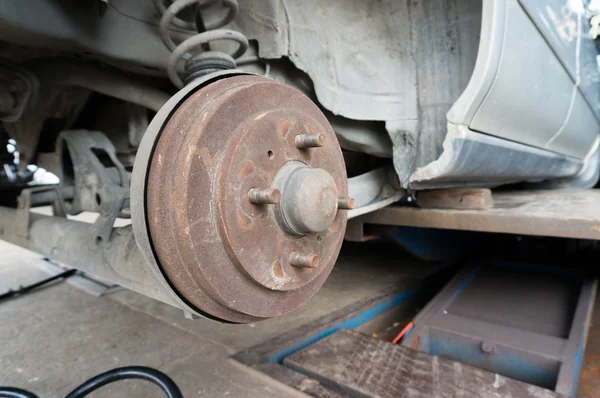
[195, 51]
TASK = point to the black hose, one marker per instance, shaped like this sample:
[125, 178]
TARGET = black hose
[26, 289]
[128, 372]
[13, 392]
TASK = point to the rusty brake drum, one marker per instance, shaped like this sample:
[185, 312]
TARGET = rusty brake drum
[238, 197]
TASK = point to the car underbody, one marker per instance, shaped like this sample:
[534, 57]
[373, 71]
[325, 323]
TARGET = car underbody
[239, 138]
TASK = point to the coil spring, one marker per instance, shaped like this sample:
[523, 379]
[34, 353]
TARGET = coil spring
[199, 60]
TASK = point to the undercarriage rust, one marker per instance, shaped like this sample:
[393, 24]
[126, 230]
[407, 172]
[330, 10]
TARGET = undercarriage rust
[246, 194]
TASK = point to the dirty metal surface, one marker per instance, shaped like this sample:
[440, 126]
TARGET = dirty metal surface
[91, 168]
[456, 198]
[363, 366]
[563, 213]
[589, 380]
[266, 142]
[299, 381]
[223, 254]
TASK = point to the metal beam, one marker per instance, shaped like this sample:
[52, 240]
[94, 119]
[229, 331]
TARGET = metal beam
[73, 243]
[561, 213]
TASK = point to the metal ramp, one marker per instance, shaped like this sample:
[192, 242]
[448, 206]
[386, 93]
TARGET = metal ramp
[525, 322]
[357, 365]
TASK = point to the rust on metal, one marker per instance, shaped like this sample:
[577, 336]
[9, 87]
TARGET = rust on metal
[304, 260]
[264, 196]
[278, 270]
[246, 170]
[346, 203]
[456, 198]
[224, 255]
[284, 126]
[305, 141]
[589, 381]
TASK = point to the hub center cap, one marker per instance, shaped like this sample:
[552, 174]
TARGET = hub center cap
[309, 201]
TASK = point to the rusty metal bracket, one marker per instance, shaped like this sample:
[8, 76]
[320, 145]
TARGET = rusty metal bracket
[103, 226]
[101, 184]
[24, 206]
[90, 164]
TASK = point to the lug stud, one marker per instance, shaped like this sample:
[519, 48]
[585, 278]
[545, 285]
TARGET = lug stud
[264, 196]
[345, 203]
[304, 260]
[305, 141]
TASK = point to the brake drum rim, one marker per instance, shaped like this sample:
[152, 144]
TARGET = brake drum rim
[139, 179]
[144, 241]
[216, 281]
[193, 286]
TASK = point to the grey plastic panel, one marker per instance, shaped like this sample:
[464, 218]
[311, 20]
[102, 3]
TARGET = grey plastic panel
[530, 96]
[559, 22]
[580, 132]
[522, 116]
[474, 159]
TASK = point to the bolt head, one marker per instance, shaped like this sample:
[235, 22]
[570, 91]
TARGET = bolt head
[488, 347]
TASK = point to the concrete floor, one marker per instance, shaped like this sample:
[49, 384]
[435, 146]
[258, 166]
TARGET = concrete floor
[55, 338]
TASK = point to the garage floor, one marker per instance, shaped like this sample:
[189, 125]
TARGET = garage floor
[55, 338]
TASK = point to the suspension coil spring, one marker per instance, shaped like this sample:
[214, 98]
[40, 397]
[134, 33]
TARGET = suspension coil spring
[199, 60]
